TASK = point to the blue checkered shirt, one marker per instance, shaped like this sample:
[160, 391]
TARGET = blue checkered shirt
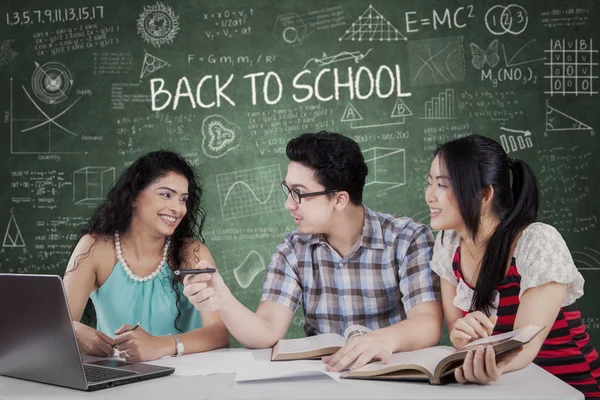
[384, 275]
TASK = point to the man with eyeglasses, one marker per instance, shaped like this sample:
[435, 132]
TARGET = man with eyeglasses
[346, 263]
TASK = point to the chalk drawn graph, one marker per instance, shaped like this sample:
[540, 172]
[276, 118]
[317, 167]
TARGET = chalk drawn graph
[250, 192]
[520, 60]
[435, 61]
[44, 132]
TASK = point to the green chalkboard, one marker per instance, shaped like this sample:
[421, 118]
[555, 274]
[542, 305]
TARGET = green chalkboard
[88, 86]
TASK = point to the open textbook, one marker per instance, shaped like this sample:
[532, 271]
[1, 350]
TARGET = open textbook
[314, 346]
[435, 363]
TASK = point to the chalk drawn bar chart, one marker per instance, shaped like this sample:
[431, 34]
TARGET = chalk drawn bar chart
[441, 106]
[250, 192]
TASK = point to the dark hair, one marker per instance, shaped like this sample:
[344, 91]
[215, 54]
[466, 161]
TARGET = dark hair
[114, 215]
[474, 163]
[336, 159]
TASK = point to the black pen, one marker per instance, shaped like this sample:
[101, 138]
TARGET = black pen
[182, 272]
[133, 328]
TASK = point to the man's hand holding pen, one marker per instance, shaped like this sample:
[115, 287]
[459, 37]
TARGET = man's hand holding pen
[206, 291]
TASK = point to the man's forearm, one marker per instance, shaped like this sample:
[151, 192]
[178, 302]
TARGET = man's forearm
[250, 329]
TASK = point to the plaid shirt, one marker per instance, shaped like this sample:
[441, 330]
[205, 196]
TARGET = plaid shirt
[384, 275]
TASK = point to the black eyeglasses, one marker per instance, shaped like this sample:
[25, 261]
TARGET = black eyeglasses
[297, 196]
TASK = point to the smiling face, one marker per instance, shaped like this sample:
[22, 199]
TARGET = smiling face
[440, 198]
[313, 214]
[162, 205]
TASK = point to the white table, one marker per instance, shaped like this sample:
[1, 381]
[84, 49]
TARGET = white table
[531, 382]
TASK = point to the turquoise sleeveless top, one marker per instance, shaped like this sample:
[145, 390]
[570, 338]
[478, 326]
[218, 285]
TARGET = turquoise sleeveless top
[121, 300]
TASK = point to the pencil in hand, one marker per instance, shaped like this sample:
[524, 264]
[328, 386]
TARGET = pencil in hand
[133, 328]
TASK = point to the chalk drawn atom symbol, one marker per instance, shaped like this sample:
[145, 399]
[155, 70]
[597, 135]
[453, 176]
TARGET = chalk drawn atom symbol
[51, 82]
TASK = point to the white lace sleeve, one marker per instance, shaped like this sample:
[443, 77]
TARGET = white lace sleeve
[441, 261]
[542, 256]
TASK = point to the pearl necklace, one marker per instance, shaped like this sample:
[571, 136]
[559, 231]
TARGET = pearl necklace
[128, 270]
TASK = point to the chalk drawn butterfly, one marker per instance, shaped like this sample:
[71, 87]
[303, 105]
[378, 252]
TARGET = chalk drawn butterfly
[489, 55]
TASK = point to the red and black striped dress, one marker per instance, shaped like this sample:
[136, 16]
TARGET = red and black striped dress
[566, 352]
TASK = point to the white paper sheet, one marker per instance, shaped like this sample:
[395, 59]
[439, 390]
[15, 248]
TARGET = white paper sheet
[207, 363]
[261, 370]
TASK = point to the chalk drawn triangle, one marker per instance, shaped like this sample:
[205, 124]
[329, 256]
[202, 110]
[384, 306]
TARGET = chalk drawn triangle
[13, 237]
[559, 121]
[400, 110]
[351, 114]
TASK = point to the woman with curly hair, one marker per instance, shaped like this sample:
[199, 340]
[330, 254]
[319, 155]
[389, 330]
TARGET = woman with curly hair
[125, 261]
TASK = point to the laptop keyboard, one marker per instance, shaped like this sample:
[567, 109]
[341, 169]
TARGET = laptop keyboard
[98, 374]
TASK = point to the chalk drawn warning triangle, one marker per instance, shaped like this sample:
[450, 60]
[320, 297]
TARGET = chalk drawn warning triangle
[372, 26]
[151, 64]
[13, 237]
[559, 121]
[351, 114]
[400, 110]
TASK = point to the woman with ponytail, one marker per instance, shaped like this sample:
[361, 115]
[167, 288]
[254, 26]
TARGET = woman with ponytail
[501, 269]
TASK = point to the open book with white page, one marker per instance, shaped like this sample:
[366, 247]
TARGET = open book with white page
[314, 346]
[435, 363]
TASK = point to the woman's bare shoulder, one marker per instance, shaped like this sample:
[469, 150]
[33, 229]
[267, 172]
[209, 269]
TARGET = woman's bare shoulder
[93, 249]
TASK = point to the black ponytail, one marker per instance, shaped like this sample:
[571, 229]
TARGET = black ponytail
[525, 194]
[475, 163]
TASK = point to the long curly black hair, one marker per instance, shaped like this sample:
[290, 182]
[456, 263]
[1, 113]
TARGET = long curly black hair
[114, 215]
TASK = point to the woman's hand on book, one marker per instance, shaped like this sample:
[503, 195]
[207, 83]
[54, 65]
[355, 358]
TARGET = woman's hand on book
[472, 326]
[358, 351]
[481, 366]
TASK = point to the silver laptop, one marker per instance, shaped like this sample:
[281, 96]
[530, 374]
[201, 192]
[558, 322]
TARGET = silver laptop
[37, 341]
